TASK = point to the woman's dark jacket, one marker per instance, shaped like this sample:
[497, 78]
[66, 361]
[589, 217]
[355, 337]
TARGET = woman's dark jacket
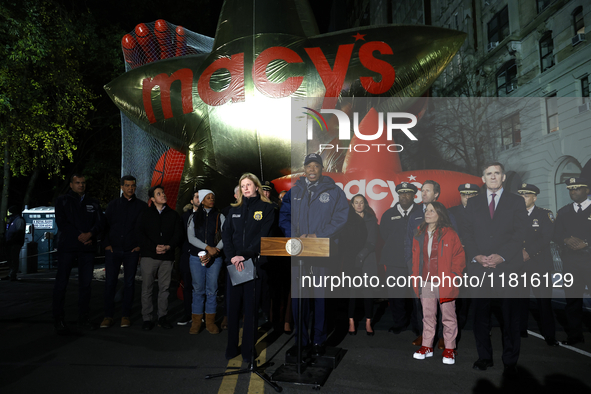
[244, 227]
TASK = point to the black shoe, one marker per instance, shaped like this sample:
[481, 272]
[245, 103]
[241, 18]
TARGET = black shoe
[573, 341]
[370, 334]
[185, 320]
[148, 325]
[510, 372]
[523, 334]
[85, 323]
[162, 322]
[318, 350]
[61, 328]
[353, 332]
[552, 342]
[395, 330]
[482, 364]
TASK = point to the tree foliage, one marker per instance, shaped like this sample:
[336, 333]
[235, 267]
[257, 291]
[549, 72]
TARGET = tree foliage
[44, 100]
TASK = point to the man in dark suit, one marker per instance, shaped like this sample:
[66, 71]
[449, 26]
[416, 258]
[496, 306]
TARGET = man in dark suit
[537, 259]
[572, 232]
[393, 226]
[493, 237]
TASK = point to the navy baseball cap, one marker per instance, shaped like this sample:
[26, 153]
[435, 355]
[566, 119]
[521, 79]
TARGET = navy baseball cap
[313, 157]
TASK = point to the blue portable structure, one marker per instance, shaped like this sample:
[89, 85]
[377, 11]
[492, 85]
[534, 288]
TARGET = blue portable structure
[40, 239]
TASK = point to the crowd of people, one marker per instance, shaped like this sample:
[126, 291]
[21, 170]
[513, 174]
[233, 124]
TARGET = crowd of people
[492, 233]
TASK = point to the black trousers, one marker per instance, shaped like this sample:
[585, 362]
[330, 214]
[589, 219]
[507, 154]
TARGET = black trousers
[543, 296]
[401, 302]
[13, 258]
[580, 269]
[65, 263]
[367, 307]
[510, 308]
[242, 296]
[187, 279]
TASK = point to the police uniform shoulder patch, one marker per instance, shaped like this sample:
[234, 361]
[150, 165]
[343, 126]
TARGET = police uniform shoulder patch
[324, 197]
[258, 215]
[551, 216]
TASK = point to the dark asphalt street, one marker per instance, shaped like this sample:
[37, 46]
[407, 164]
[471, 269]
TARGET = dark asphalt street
[128, 360]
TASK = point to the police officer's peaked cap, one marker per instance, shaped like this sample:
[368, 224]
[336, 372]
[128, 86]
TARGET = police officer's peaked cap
[313, 157]
[575, 183]
[469, 188]
[266, 185]
[527, 188]
[406, 187]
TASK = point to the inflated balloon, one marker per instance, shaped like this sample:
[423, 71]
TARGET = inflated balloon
[375, 172]
[228, 111]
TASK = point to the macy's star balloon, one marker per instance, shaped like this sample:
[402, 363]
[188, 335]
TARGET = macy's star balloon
[228, 111]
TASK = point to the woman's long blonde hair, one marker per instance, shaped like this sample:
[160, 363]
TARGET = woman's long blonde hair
[257, 183]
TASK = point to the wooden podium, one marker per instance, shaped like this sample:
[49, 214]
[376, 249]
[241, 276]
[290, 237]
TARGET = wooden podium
[316, 371]
[295, 247]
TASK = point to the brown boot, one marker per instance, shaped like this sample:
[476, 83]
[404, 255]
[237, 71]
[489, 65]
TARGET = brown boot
[210, 323]
[195, 323]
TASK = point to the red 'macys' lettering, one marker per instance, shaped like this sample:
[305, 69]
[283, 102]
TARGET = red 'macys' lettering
[235, 89]
[385, 69]
[259, 71]
[333, 78]
[185, 76]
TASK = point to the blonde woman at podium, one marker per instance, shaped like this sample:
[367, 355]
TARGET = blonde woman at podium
[249, 219]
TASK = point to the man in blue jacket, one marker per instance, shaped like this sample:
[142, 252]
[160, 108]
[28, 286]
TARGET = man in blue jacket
[122, 247]
[315, 207]
[79, 220]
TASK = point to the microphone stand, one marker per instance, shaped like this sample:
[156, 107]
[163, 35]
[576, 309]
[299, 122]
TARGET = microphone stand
[252, 367]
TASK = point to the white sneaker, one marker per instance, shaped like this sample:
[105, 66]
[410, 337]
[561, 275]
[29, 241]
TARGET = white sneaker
[423, 353]
[449, 356]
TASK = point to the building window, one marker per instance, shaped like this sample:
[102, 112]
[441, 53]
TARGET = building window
[552, 113]
[546, 51]
[510, 131]
[498, 26]
[543, 4]
[578, 21]
[569, 168]
[585, 89]
[507, 79]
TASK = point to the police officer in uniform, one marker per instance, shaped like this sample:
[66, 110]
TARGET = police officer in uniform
[573, 232]
[393, 227]
[467, 191]
[537, 259]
